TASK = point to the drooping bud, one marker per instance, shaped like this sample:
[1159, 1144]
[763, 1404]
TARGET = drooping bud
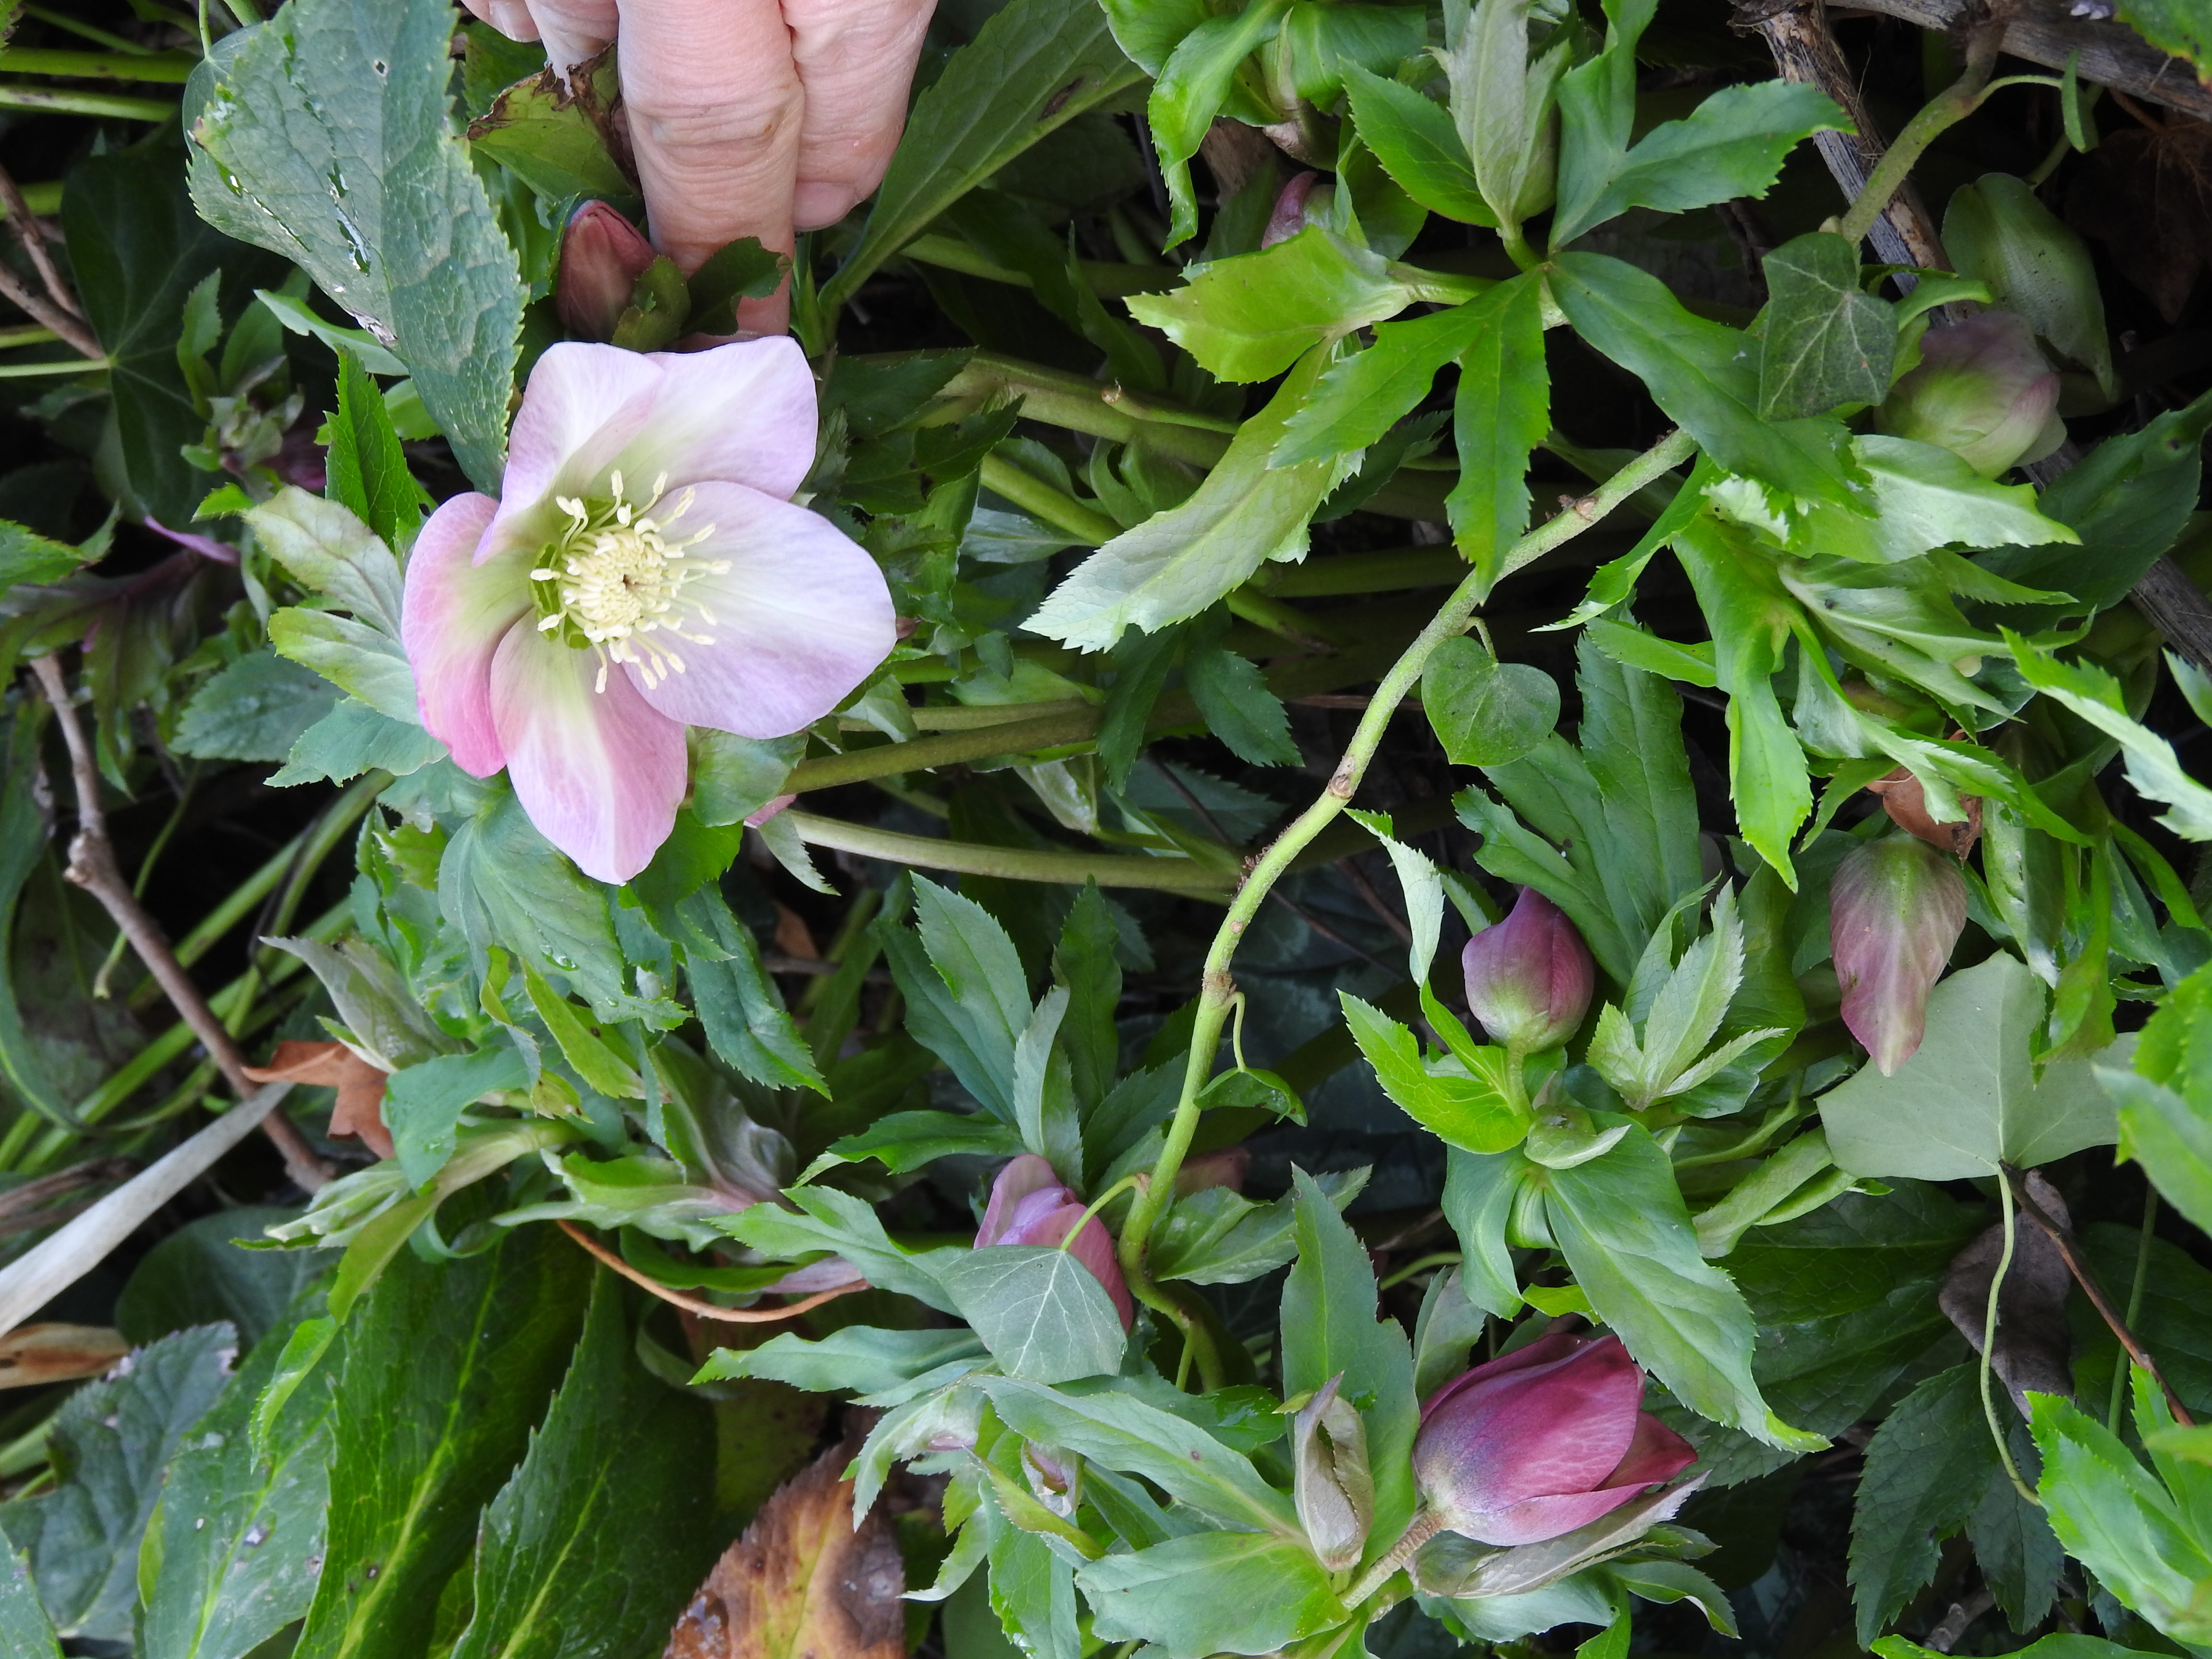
[1896, 908]
[1303, 202]
[1528, 978]
[1981, 390]
[601, 257]
[1331, 1483]
[1054, 1477]
[1030, 1205]
[1996, 232]
[1541, 1442]
[1905, 800]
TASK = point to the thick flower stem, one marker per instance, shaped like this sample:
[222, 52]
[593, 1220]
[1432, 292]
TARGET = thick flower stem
[1217, 988]
[107, 104]
[1427, 1525]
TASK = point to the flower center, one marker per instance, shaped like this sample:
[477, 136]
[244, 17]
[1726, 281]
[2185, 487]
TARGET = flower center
[613, 581]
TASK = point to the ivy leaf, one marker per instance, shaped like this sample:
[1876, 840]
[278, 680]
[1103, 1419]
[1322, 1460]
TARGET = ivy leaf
[1486, 712]
[328, 138]
[1041, 1312]
[1828, 341]
[1969, 1099]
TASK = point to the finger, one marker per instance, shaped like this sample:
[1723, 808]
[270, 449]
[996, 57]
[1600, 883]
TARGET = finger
[713, 102]
[510, 17]
[572, 30]
[856, 60]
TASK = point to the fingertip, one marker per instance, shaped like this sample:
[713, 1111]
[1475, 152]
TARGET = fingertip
[817, 204]
[512, 18]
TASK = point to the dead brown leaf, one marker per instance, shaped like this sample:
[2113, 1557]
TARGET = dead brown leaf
[803, 1582]
[32, 1355]
[2147, 195]
[2033, 1350]
[792, 936]
[360, 1109]
[1906, 803]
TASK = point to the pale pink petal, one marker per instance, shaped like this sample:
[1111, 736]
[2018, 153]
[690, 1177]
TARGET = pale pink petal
[1024, 1174]
[742, 413]
[1535, 1519]
[600, 773]
[582, 405]
[800, 619]
[452, 615]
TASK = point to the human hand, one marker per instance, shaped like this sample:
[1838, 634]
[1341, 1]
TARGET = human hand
[747, 118]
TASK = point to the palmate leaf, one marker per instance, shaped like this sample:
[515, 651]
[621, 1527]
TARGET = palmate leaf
[1828, 341]
[328, 138]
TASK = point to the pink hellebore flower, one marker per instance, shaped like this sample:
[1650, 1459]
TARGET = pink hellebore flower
[601, 257]
[1528, 978]
[1543, 1441]
[1029, 1205]
[1896, 908]
[643, 571]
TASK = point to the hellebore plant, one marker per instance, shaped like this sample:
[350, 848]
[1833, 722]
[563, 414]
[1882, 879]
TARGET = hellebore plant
[643, 571]
[1896, 908]
[1528, 978]
[1029, 1204]
[1982, 391]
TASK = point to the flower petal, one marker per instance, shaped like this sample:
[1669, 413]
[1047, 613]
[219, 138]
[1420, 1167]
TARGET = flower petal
[1540, 1431]
[801, 617]
[582, 405]
[742, 413]
[1020, 1177]
[600, 773]
[1656, 1453]
[453, 615]
[1535, 1519]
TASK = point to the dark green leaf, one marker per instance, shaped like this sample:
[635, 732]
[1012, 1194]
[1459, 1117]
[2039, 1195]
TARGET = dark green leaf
[1501, 412]
[109, 1445]
[1704, 374]
[1041, 1312]
[25, 1630]
[329, 139]
[859, 1357]
[255, 709]
[1234, 700]
[1486, 712]
[1925, 1470]
[606, 1528]
[352, 738]
[367, 470]
[1414, 139]
[742, 1012]
[448, 1367]
[503, 883]
[1211, 1592]
[197, 1276]
[1828, 341]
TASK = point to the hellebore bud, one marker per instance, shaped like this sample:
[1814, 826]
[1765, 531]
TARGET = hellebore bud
[1301, 203]
[1332, 1486]
[1982, 391]
[1998, 233]
[1030, 1205]
[601, 257]
[1542, 1442]
[1528, 978]
[1896, 906]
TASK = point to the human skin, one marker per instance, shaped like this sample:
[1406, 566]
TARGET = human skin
[747, 118]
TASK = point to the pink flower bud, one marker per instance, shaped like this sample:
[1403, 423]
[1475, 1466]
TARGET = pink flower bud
[1528, 978]
[1982, 390]
[1297, 206]
[601, 257]
[1896, 906]
[1541, 1442]
[1030, 1205]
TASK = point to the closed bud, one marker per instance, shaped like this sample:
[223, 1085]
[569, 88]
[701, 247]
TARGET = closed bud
[1303, 201]
[1330, 1483]
[1982, 390]
[601, 257]
[1029, 1204]
[1054, 1477]
[1896, 908]
[1528, 978]
[1542, 1442]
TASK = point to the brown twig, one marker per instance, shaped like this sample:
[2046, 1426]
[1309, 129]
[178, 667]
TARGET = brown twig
[32, 236]
[92, 866]
[2069, 1252]
[49, 315]
[692, 1304]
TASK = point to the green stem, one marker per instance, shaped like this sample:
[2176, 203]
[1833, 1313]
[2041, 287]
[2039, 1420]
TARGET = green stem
[945, 749]
[1427, 1525]
[1100, 1203]
[1018, 863]
[1285, 621]
[42, 199]
[29, 335]
[172, 68]
[59, 365]
[85, 103]
[1941, 113]
[1216, 987]
[1989, 1342]
[85, 31]
[1394, 570]
[1107, 280]
[2136, 1286]
[1085, 523]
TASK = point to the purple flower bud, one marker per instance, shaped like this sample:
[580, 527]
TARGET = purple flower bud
[1030, 1205]
[1297, 206]
[1895, 908]
[1543, 1441]
[1528, 978]
[601, 257]
[1982, 391]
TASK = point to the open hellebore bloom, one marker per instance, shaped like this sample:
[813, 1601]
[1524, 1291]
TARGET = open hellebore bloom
[644, 571]
[1896, 908]
[1528, 978]
[1029, 1205]
[1982, 390]
[1543, 1441]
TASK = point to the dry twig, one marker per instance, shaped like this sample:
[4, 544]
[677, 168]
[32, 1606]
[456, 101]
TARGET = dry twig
[92, 866]
[32, 236]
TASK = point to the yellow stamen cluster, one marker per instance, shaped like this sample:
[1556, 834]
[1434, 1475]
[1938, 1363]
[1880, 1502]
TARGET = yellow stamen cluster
[614, 581]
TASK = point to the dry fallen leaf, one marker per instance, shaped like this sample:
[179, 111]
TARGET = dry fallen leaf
[2033, 1351]
[1906, 803]
[802, 1582]
[360, 1109]
[32, 1355]
[2147, 195]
